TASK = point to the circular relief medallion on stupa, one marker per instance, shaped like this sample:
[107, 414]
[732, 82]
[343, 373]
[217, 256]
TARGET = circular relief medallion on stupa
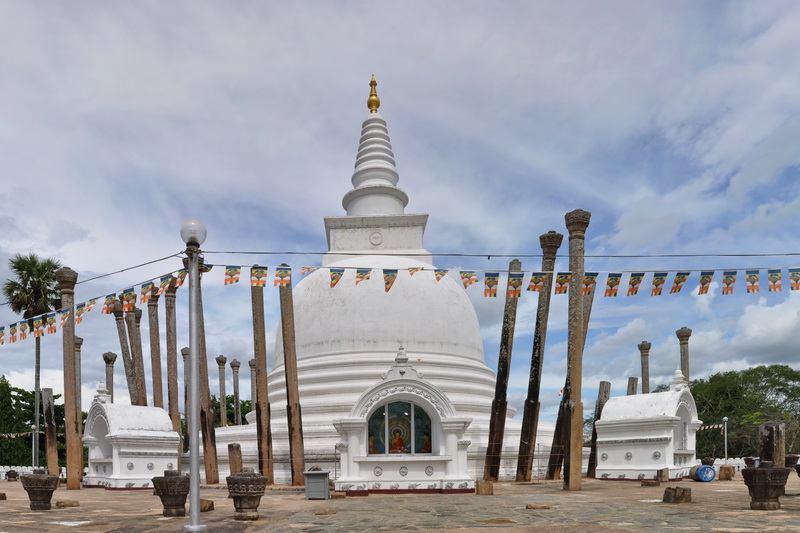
[403, 471]
[377, 471]
[628, 455]
[604, 456]
[428, 470]
[150, 466]
[375, 238]
[130, 466]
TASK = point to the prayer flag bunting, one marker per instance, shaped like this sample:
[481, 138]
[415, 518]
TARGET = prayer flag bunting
[2, 335]
[728, 280]
[634, 281]
[589, 281]
[659, 279]
[147, 292]
[362, 274]
[774, 277]
[258, 276]
[514, 284]
[50, 319]
[23, 330]
[678, 281]
[751, 276]
[794, 277]
[439, 274]
[468, 277]
[38, 326]
[490, 281]
[91, 303]
[612, 284]
[108, 304]
[205, 267]
[413, 270]
[80, 309]
[65, 313]
[389, 277]
[307, 270]
[537, 282]
[179, 279]
[336, 275]
[128, 298]
[232, 274]
[283, 276]
[562, 282]
[12, 333]
[163, 284]
[705, 281]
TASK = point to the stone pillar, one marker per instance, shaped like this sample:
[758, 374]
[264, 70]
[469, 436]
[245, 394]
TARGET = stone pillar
[253, 387]
[155, 349]
[293, 413]
[237, 408]
[206, 413]
[223, 400]
[633, 383]
[235, 457]
[497, 422]
[603, 394]
[263, 429]
[127, 360]
[50, 442]
[66, 278]
[577, 221]
[644, 349]
[683, 336]
[110, 358]
[772, 443]
[550, 242]
[172, 361]
[186, 379]
[78, 381]
[134, 320]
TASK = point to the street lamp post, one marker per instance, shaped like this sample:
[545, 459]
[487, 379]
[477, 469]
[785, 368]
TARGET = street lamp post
[725, 433]
[193, 233]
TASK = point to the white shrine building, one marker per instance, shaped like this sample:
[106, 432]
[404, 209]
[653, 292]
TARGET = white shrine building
[377, 416]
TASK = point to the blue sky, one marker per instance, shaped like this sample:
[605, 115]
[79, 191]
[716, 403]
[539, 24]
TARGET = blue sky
[674, 123]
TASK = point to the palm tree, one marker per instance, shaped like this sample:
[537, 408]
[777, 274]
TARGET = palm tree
[32, 293]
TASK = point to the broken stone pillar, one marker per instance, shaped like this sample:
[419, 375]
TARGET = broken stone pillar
[253, 387]
[683, 337]
[577, 221]
[237, 408]
[127, 360]
[484, 487]
[603, 394]
[550, 242]
[294, 415]
[50, 442]
[644, 350]
[223, 404]
[109, 358]
[633, 383]
[235, 457]
[497, 421]
[772, 442]
[263, 429]
[66, 278]
[132, 320]
[155, 349]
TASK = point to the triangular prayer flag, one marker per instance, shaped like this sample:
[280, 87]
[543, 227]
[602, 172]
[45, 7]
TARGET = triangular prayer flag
[490, 280]
[38, 326]
[108, 304]
[413, 270]
[468, 277]
[180, 277]
[91, 303]
[439, 274]
[659, 279]
[65, 313]
[163, 284]
[634, 281]
[389, 277]
[612, 284]
[258, 276]
[705, 281]
[128, 298]
[774, 277]
[537, 282]
[751, 276]
[678, 281]
[80, 309]
[362, 274]
[50, 319]
[794, 277]
[589, 280]
[336, 275]
[728, 280]
[514, 284]
[12, 333]
[147, 292]
[232, 274]
[2, 335]
[562, 282]
[307, 270]
[283, 276]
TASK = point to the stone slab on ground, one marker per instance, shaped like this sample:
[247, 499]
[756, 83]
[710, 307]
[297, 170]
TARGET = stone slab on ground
[67, 503]
[677, 495]
[484, 488]
[726, 472]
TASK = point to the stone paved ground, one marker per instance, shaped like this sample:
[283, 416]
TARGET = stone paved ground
[601, 507]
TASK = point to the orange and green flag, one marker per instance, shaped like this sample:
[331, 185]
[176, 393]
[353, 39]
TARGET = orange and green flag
[439, 273]
[562, 282]
[589, 281]
[232, 274]
[751, 276]
[283, 276]
[612, 284]
[537, 282]
[336, 275]
[634, 282]
[258, 276]
[678, 281]
[490, 281]
[659, 279]
[205, 267]
[728, 281]
[389, 277]
[794, 278]
[705, 281]
[362, 274]
[515, 281]
[468, 277]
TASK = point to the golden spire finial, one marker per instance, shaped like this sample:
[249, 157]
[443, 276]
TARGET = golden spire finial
[373, 102]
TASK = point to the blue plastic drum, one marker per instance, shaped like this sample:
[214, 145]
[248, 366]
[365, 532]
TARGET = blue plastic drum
[702, 473]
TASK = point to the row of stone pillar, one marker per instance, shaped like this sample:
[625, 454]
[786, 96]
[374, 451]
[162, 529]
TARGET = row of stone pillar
[683, 335]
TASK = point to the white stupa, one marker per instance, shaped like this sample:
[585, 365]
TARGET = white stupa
[347, 342]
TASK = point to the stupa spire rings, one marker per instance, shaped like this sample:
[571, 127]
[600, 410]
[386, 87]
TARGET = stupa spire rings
[373, 102]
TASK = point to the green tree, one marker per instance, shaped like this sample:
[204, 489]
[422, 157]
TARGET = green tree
[244, 405]
[33, 292]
